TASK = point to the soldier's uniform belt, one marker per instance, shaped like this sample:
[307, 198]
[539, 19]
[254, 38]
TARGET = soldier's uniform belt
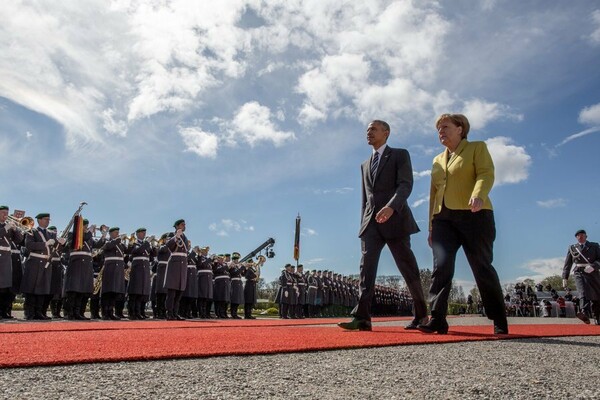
[55, 259]
[191, 265]
[236, 279]
[313, 287]
[581, 265]
[16, 251]
[179, 255]
[163, 262]
[140, 258]
[205, 271]
[113, 258]
[5, 248]
[301, 284]
[80, 253]
[37, 255]
[222, 277]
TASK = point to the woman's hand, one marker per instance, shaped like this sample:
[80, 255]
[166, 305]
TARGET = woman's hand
[475, 203]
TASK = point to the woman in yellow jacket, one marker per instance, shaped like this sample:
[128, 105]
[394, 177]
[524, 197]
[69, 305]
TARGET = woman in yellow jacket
[460, 214]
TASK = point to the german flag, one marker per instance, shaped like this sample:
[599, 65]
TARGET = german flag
[77, 242]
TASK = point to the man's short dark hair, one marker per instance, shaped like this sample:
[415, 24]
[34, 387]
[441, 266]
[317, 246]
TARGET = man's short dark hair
[385, 125]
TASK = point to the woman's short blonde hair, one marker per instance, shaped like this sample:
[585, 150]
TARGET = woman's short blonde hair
[456, 119]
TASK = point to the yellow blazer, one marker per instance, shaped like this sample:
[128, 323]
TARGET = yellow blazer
[469, 173]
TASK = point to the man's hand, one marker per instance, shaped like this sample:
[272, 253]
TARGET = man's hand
[565, 283]
[50, 242]
[62, 241]
[475, 203]
[384, 214]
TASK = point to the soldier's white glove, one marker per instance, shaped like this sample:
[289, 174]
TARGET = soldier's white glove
[62, 241]
[178, 233]
[50, 242]
[565, 283]
[589, 269]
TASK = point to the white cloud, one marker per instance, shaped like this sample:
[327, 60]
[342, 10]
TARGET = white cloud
[421, 174]
[228, 225]
[313, 261]
[204, 144]
[552, 203]
[511, 162]
[253, 124]
[578, 135]
[420, 201]
[542, 268]
[480, 113]
[342, 190]
[590, 115]
[309, 232]
[595, 36]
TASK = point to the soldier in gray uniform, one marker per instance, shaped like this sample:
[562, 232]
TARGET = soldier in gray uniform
[584, 257]
[311, 296]
[301, 284]
[251, 274]
[17, 274]
[79, 275]
[237, 288]
[188, 307]
[54, 300]
[205, 283]
[113, 274]
[222, 287]
[286, 282]
[141, 253]
[37, 273]
[176, 272]
[9, 234]
[159, 292]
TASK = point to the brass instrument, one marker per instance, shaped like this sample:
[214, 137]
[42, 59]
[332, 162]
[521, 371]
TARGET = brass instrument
[65, 232]
[260, 260]
[103, 229]
[98, 283]
[25, 224]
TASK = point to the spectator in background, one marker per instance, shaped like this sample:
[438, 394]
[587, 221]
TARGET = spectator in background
[539, 287]
[562, 306]
[546, 308]
[568, 295]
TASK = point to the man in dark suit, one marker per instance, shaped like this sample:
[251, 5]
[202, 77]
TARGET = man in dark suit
[387, 180]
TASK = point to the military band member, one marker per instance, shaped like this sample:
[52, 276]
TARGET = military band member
[188, 307]
[584, 257]
[37, 273]
[176, 272]
[9, 235]
[17, 247]
[237, 288]
[79, 275]
[159, 291]
[251, 274]
[301, 284]
[97, 263]
[141, 253]
[286, 282]
[205, 283]
[54, 300]
[222, 287]
[113, 274]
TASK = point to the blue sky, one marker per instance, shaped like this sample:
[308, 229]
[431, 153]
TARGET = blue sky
[238, 115]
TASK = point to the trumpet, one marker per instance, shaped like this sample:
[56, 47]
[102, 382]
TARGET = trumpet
[24, 224]
[93, 228]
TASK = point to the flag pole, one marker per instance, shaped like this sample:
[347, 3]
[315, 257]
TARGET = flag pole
[297, 241]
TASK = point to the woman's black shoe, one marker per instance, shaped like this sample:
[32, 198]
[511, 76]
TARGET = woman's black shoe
[434, 325]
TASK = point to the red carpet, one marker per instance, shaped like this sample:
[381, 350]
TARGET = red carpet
[34, 344]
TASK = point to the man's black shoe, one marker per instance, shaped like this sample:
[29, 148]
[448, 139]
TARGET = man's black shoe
[583, 317]
[356, 324]
[438, 325]
[501, 327]
[415, 323]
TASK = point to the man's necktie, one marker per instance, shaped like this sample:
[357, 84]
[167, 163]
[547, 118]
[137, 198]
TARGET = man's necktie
[374, 165]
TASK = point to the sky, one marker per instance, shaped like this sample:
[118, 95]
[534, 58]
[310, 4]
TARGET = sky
[239, 115]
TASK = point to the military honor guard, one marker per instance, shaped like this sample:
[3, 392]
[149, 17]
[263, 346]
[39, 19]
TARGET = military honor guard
[311, 296]
[9, 235]
[288, 295]
[301, 285]
[37, 274]
[113, 273]
[159, 292]
[176, 272]
[205, 283]
[252, 275]
[54, 299]
[237, 288]
[141, 253]
[222, 287]
[188, 307]
[584, 258]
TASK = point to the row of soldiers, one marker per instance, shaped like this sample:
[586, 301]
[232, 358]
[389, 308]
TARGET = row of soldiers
[180, 281]
[328, 294]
